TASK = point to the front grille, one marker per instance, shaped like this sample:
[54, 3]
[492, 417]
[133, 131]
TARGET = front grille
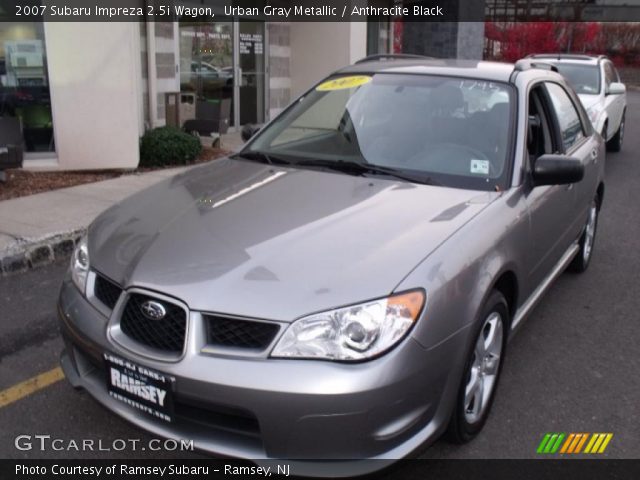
[106, 291]
[229, 332]
[166, 334]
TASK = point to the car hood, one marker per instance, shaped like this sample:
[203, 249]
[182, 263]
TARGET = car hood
[253, 240]
[589, 101]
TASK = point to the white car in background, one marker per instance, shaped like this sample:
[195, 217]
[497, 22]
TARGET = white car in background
[597, 83]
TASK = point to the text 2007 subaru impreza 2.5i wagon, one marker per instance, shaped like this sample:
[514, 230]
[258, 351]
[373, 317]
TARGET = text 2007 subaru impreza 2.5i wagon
[345, 285]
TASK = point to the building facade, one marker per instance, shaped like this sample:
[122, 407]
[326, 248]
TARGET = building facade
[85, 92]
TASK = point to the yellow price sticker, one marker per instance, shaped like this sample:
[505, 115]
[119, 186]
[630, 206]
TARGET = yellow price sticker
[343, 83]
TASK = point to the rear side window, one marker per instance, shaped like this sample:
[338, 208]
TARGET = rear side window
[568, 118]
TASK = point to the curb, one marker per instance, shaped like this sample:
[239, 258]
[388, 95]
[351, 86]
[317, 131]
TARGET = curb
[31, 254]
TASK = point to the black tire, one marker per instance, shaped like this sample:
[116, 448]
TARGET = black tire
[615, 144]
[461, 428]
[587, 240]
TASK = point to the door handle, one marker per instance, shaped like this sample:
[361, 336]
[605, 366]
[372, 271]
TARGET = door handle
[594, 155]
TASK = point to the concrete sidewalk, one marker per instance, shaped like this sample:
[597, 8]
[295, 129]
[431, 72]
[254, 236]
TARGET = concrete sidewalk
[38, 229]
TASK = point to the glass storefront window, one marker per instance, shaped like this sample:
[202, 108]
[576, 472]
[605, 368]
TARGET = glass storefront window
[206, 59]
[211, 55]
[24, 83]
[206, 63]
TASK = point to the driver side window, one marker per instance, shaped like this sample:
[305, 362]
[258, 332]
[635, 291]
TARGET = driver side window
[568, 118]
[539, 137]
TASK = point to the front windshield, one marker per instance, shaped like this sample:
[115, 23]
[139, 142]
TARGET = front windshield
[583, 78]
[453, 131]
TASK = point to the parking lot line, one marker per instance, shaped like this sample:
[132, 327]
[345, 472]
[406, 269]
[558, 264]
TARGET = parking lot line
[26, 388]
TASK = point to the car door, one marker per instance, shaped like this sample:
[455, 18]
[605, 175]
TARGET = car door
[549, 206]
[579, 142]
[614, 104]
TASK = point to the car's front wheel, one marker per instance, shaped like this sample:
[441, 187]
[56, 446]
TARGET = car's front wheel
[482, 371]
[583, 257]
[615, 144]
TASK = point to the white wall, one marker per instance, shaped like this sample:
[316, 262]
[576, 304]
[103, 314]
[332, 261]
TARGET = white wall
[319, 48]
[94, 71]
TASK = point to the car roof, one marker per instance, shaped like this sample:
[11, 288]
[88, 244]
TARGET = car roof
[472, 69]
[492, 71]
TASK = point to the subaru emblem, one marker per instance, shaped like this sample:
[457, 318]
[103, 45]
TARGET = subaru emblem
[153, 310]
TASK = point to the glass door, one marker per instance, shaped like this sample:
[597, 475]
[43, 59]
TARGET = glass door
[251, 73]
[224, 63]
[206, 66]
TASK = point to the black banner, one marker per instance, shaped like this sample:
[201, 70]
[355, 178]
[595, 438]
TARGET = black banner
[319, 10]
[586, 469]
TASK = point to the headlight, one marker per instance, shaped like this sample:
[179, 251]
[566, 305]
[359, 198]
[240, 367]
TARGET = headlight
[352, 333]
[80, 264]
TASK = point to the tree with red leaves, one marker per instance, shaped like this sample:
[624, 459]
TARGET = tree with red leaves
[397, 28]
[621, 42]
[513, 41]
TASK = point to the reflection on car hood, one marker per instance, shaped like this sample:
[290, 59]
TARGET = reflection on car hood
[260, 241]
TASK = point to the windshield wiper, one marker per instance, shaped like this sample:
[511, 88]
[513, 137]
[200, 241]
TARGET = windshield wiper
[360, 168]
[356, 168]
[260, 156]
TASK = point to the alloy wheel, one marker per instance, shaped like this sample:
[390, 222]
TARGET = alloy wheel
[484, 368]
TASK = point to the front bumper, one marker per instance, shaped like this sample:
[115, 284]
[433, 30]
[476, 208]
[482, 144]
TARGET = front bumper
[261, 409]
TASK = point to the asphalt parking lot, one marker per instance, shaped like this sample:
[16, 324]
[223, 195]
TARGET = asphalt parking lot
[573, 367]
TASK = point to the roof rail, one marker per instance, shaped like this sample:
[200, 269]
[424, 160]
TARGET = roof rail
[393, 56]
[528, 64]
[566, 56]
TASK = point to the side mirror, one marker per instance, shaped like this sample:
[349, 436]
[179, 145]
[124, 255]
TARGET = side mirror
[616, 88]
[249, 131]
[553, 169]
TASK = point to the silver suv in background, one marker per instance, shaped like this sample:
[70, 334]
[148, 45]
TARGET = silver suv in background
[597, 83]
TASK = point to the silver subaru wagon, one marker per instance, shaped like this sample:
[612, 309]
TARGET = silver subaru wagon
[343, 287]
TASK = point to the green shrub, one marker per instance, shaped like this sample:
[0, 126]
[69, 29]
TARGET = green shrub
[168, 146]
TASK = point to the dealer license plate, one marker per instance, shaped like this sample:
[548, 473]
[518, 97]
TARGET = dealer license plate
[140, 387]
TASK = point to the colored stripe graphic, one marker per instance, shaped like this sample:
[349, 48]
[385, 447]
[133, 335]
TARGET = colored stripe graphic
[543, 443]
[598, 443]
[607, 439]
[594, 437]
[550, 443]
[556, 446]
[567, 442]
[573, 443]
[581, 442]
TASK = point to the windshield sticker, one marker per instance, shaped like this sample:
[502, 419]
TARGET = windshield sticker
[343, 83]
[480, 166]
